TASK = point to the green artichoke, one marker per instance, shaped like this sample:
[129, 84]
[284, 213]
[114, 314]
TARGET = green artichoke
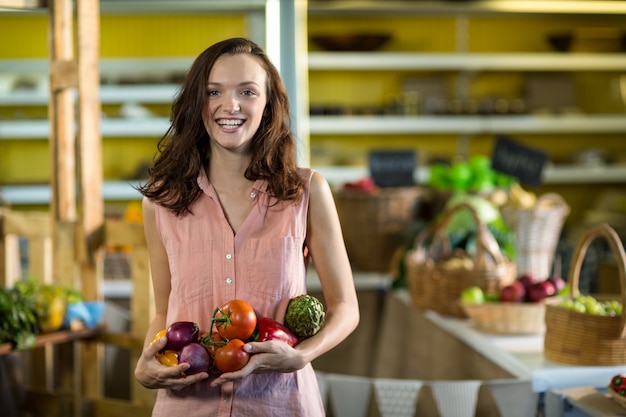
[304, 315]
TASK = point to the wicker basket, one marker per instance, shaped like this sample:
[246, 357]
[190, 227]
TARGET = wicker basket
[585, 339]
[537, 233]
[507, 318]
[434, 285]
[374, 224]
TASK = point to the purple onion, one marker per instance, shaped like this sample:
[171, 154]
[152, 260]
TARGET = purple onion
[197, 357]
[180, 334]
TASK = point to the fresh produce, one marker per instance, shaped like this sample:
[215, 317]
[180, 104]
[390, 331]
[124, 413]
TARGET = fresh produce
[528, 288]
[18, 319]
[366, 185]
[180, 334]
[539, 291]
[558, 282]
[461, 228]
[231, 325]
[183, 346]
[235, 320]
[30, 308]
[304, 316]
[527, 280]
[513, 293]
[474, 174]
[268, 329]
[231, 357]
[589, 305]
[462, 220]
[167, 357]
[197, 357]
[473, 295]
[159, 335]
[525, 288]
[50, 302]
[618, 384]
[520, 198]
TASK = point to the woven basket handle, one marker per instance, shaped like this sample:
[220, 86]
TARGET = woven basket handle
[606, 231]
[485, 242]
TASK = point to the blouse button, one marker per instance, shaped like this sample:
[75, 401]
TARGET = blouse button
[253, 195]
[229, 256]
[229, 280]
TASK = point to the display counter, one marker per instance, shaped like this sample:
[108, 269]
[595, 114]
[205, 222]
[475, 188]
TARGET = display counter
[474, 354]
[395, 341]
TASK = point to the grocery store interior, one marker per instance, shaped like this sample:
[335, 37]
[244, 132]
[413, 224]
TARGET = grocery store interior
[469, 144]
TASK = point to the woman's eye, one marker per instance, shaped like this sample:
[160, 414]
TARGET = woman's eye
[248, 93]
[211, 93]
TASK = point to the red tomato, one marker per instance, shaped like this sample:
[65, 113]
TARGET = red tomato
[235, 320]
[212, 341]
[231, 357]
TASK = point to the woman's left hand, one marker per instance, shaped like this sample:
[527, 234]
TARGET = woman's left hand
[270, 356]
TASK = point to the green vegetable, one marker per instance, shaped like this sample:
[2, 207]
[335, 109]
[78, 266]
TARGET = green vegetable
[462, 220]
[461, 229]
[304, 315]
[18, 319]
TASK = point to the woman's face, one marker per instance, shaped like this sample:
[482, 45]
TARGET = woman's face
[237, 96]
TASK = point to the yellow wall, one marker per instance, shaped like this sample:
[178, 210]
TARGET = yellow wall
[178, 35]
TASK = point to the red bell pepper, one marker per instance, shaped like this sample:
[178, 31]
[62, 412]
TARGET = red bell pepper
[268, 329]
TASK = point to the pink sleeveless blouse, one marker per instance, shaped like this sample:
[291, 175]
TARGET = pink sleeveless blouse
[263, 264]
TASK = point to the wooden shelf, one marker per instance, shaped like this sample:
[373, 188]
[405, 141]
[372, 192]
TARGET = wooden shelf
[62, 336]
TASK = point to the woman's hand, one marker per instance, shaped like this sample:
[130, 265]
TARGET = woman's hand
[270, 356]
[152, 374]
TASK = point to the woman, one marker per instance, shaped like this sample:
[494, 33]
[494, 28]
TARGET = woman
[228, 215]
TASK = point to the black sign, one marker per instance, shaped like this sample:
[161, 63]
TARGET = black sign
[517, 160]
[392, 168]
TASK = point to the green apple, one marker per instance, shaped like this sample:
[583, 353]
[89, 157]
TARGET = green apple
[473, 295]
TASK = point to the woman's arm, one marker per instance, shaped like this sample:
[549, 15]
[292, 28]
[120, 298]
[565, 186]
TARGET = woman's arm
[149, 372]
[328, 251]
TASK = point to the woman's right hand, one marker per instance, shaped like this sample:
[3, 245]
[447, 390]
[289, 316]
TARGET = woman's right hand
[152, 374]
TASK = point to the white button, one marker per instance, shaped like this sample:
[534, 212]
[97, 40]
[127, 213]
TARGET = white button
[229, 256]
[252, 194]
[229, 280]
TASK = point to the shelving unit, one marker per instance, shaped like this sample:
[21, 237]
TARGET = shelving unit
[467, 65]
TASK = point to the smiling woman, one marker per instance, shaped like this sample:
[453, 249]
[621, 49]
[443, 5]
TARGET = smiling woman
[226, 177]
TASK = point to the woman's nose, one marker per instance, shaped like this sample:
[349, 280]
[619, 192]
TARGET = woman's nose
[231, 104]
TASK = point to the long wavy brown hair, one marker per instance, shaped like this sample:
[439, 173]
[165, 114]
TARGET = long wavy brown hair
[185, 149]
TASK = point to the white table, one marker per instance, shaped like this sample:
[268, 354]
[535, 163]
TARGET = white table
[523, 357]
[582, 388]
